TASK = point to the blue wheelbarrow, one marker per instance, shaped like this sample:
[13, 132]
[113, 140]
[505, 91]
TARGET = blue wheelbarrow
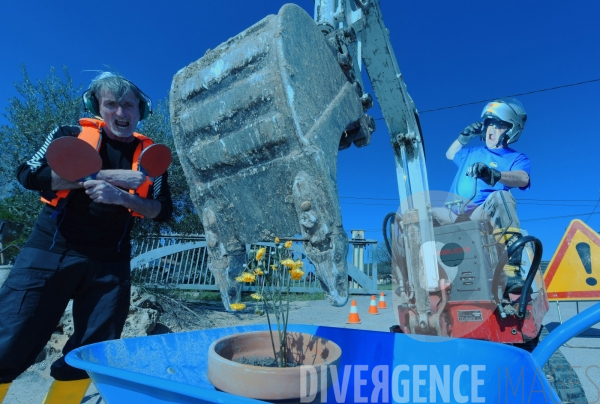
[375, 367]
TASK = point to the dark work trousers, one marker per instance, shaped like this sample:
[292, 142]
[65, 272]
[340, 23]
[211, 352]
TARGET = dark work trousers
[35, 295]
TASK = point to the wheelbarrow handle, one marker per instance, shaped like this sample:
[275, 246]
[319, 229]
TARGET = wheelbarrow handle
[565, 332]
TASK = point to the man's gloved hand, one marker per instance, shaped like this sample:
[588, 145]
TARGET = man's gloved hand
[473, 130]
[488, 175]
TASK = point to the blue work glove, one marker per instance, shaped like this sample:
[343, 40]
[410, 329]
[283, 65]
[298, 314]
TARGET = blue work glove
[488, 175]
[473, 130]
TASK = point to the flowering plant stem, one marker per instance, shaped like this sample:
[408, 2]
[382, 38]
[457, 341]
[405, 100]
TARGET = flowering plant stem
[272, 274]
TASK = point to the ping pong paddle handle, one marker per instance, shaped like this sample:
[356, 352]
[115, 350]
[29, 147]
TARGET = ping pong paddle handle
[88, 178]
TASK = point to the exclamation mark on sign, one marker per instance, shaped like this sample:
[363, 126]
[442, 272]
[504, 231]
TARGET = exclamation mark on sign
[583, 249]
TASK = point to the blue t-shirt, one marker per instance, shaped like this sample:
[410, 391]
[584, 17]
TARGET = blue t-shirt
[502, 159]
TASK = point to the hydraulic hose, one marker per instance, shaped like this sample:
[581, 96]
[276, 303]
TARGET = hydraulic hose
[403, 275]
[386, 221]
[535, 265]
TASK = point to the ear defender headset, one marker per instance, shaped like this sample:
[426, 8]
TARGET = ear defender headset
[90, 102]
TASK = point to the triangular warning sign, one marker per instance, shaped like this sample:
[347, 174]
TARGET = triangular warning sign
[574, 271]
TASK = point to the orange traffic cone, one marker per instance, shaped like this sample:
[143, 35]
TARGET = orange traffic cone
[373, 306]
[381, 304]
[353, 317]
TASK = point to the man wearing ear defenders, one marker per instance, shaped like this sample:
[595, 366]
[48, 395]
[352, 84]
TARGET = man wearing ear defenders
[80, 246]
[496, 168]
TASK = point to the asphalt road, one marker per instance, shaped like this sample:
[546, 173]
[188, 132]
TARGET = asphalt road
[582, 351]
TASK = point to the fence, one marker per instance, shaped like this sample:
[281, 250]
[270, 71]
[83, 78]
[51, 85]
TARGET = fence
[182, 262]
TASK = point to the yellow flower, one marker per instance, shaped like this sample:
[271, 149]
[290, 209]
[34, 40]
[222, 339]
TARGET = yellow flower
[297, 264]
[237, 306]
[258, 271]
[288, 262]
[246, 277]
[276, 240]
[260, 253]
[296, 274]
[288, 244]
[256, 296]
[273, 267]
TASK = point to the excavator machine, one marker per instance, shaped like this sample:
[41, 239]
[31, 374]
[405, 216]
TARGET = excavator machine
[258, 122]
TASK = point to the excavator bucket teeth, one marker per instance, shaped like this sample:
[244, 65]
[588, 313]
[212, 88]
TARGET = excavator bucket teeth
[257, 124]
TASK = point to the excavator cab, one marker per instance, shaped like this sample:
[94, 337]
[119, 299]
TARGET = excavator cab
[472, 300]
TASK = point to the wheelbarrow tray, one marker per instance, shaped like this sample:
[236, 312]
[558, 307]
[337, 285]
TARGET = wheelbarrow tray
[382, 366]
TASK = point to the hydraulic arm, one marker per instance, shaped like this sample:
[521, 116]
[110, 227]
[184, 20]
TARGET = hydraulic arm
[366, 40]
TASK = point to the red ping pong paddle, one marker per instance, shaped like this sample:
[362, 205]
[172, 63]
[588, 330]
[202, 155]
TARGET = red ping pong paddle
[155, 160]
[73, 159]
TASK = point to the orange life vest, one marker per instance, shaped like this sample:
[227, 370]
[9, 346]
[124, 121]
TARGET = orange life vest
[91, 132]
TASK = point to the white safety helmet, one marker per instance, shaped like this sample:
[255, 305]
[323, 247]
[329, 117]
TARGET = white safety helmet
[508, 110]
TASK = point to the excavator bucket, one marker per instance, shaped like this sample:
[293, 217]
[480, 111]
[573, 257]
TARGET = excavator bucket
[257, 123]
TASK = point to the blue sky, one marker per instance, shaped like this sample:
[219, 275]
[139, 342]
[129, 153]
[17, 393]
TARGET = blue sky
[450, 52]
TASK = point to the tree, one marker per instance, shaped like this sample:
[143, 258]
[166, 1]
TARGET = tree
[37, 109]
[384, 260]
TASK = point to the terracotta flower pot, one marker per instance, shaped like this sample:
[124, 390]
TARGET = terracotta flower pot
[271, 384]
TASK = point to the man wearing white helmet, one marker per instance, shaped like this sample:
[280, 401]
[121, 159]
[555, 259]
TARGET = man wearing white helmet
[497, 168]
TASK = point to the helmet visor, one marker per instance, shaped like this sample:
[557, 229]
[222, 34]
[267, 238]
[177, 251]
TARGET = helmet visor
[496, 123]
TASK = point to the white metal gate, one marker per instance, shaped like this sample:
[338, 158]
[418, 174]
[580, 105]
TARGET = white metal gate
[182, 262]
